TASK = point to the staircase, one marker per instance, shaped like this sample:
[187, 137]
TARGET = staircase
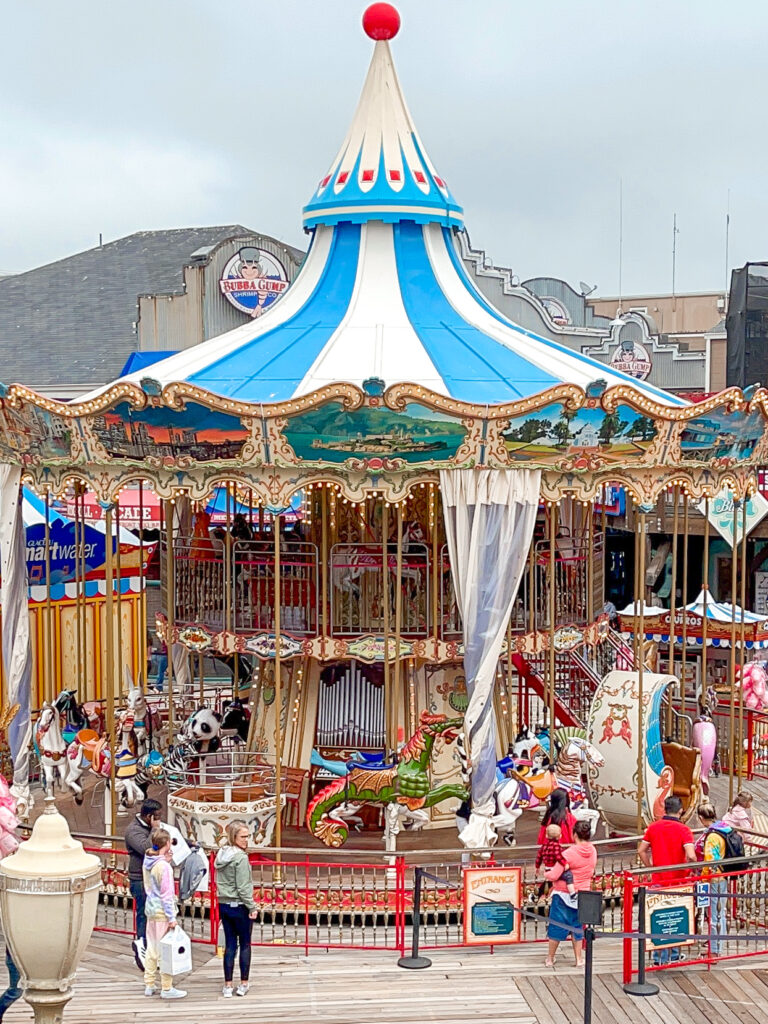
[577, 674]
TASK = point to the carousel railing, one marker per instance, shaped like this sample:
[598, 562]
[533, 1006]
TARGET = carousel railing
[571, 582]
[254, 587]
[450, 626]
[358, 604]
[238, 591]
[319, 898]
[199, 582]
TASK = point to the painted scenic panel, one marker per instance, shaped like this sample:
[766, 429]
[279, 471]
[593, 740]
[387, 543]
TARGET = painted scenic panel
[31, 434]
[333, 434]
[201, 434]
[721, 435]
[552, 431]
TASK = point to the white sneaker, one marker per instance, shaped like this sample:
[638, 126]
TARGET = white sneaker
[173, 993]
[227, 991]
[139, 948]
[149, 990]
[242, 988]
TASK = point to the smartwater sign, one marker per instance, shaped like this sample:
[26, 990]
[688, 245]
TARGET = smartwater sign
[491, 899]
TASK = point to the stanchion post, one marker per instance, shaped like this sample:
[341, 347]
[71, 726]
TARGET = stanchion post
[590, 910]
[589, 938]
[641, 987]
[414, 962]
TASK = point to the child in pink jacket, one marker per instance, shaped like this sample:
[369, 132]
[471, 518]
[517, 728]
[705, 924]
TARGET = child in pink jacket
[160, 910]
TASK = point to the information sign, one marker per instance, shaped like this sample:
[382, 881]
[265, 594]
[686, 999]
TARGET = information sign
[491, 896]
[670, 916]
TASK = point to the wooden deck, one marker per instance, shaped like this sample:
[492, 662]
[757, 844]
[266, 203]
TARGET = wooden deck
[349, 987]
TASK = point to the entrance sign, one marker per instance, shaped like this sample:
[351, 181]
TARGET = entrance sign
[491, 899]
[671, 916]
[721, 514]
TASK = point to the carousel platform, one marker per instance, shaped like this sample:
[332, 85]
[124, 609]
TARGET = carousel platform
[353, 987]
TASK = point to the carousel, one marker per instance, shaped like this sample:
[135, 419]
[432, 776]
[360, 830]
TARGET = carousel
[439, 599]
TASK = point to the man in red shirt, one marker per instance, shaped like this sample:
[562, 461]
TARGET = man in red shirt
[667, 841]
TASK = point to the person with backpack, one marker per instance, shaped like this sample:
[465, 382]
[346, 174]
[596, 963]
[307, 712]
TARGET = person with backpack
[711, 848]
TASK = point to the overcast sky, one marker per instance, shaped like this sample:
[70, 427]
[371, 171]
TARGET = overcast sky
[161, 113]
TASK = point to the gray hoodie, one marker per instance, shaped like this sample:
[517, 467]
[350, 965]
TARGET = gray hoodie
[234, 883]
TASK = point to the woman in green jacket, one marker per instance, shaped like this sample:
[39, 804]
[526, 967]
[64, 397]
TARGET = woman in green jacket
[234, 888]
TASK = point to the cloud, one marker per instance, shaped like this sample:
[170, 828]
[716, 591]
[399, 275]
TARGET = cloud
[147, 115]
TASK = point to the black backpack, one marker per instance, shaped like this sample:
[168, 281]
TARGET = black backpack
[734, 848]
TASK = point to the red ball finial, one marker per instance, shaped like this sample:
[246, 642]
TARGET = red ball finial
[381, 21]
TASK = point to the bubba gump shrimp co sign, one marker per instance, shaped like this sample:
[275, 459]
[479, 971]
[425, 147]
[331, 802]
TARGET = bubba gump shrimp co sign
[491, 906]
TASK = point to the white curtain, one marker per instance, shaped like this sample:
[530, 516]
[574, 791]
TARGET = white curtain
[489, 519]
[17, 651]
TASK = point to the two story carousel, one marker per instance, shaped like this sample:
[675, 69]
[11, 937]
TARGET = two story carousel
[448, 571]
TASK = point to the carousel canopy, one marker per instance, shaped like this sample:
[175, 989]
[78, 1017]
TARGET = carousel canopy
[383, 294]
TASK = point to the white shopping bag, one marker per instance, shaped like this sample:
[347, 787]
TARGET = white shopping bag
[179, 845]
[175, 952]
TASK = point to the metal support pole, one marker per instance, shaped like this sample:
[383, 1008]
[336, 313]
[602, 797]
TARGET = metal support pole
[278, 698]
[732, 663]
[743, 649]
[641, 987]
[110, 687]
[414, 962]
[684, 652]
[398, 616]
[705, 595]
[640, 671]
[170, 569]
[589, 941]
[553, 510]
[391, 741]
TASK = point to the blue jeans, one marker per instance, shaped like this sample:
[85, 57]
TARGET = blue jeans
[13, 992]
[718, 911]
[162, 667]
[139, 900]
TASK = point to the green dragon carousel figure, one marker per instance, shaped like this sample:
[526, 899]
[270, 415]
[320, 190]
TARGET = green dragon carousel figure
[403, 788]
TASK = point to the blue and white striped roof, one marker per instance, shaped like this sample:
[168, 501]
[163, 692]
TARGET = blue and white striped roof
[382, 169]
[383, 292]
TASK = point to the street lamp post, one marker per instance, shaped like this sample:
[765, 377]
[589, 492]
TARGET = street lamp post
[49, 892]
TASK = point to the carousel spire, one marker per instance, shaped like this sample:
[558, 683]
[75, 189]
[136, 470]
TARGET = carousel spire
[382, 171]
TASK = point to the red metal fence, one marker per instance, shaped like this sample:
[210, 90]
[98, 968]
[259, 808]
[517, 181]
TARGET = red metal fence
[359, 902]
[728, 916]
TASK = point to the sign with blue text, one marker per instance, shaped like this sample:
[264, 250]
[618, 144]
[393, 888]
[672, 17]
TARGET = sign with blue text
[491, 902]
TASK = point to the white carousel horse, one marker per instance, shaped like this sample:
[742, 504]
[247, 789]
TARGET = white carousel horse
[51, 746]
[518, 793]
[398, 817]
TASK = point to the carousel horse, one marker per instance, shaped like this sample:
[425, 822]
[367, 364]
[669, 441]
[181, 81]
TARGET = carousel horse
[51, 746]
[74, 716]
[527, 791]
[235, 721]
[407, 782]
[137, 718]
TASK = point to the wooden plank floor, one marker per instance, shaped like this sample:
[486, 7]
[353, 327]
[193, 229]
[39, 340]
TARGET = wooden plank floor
[356, 987]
